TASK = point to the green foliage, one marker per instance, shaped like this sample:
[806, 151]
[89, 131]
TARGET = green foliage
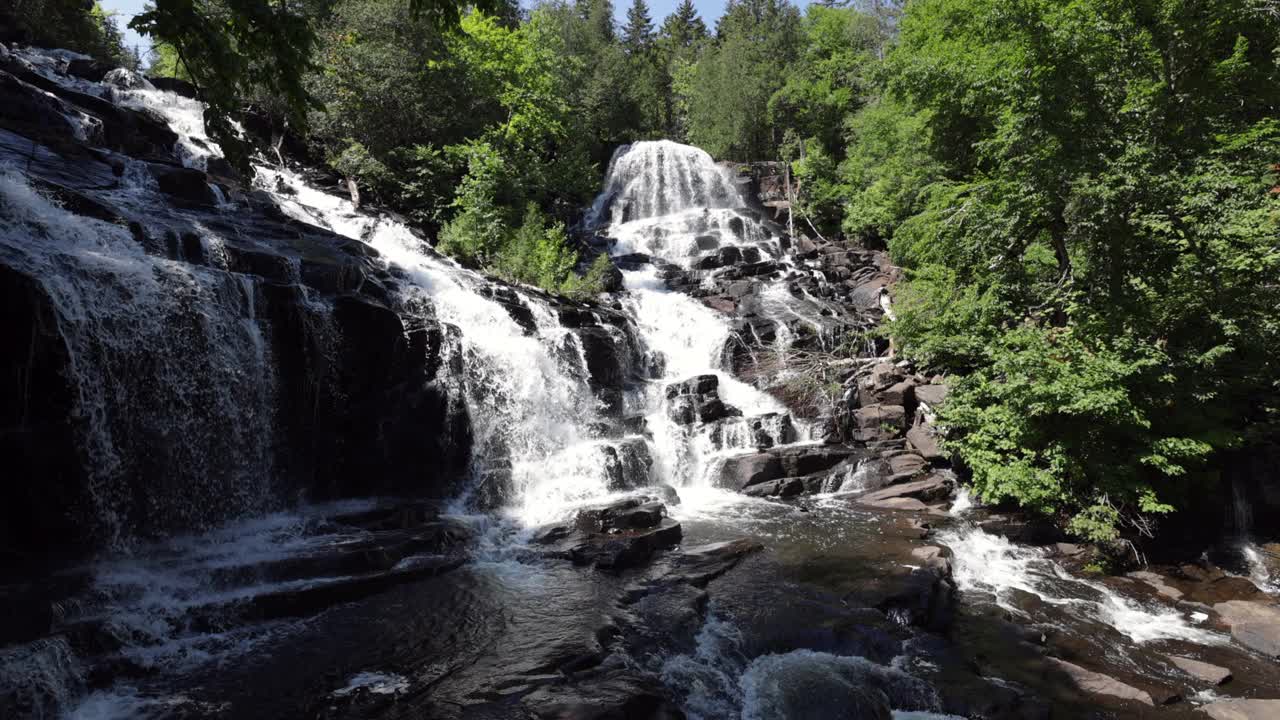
[164, 62]
[538, 253]
[479, 229]
[77, 25]
[757, 40]
[1083, 197]
[637, 36]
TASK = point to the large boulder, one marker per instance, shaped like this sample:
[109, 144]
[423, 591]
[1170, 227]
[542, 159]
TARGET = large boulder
[793, 462]
[183, 183]
[1255, 625]
[924, 438]
[879, 422]
[931, 488]
[1200, 670]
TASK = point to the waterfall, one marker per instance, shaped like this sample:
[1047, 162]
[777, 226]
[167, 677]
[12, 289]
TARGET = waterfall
[535, 418]
[169, 364]
[657, 178]
[673, 203]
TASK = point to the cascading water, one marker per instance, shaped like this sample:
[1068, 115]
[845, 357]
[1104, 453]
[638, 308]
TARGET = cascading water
[533, 412]
[991, 565]
[674, 204]
[124, 314]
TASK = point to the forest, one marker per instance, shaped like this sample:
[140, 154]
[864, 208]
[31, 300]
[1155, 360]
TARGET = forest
[1084, 195]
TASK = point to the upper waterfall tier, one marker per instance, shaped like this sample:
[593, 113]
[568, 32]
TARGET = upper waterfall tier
[653, 178]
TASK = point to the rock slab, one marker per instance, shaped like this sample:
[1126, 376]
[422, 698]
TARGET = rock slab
[1208, 672]
[1100, 684]
[1243, 710]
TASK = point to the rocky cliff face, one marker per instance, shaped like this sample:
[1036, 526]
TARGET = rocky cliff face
[183, 351]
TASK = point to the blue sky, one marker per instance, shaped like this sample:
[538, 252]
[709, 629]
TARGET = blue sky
[658, 9]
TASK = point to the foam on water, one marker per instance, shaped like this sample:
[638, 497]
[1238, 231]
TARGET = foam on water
[986, 563]
[374, 682]
[718, 680]
[963, 502]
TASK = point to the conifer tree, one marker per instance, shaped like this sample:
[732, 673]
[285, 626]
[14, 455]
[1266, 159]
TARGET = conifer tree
[637, 36]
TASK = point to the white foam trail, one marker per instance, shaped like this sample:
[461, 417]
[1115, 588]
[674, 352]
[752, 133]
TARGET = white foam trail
[374, 682]
[963, 502]
[717, 680]
[986, 563]
[1259, 571]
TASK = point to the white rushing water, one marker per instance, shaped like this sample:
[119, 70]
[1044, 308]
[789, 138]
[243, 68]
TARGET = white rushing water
[529, 405]
[717, 680]
[673, 203]
[1260, 562]
[207, 403]
[990, 564]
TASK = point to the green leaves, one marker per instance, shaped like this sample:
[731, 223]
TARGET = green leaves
[1081, 195]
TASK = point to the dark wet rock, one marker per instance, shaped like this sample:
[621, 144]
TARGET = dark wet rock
[1223, 588]
[899, 393]
[879, 422]
[784, 488]
[614, 536]
[1021, 529]
[668, 494]
[744, 471]
[697, 399]
[88, 69]
[632, 261]
[721, 303]
[628, 464]
[772, 429]
[26, 110]
[924, 438]
[187, 184]
[623, 549]
[515, 307]
[707, 242]
[907, 464]
[920, 596]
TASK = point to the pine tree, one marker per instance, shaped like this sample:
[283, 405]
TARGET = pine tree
[599, 16]
[637, 36]
[683, 30]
